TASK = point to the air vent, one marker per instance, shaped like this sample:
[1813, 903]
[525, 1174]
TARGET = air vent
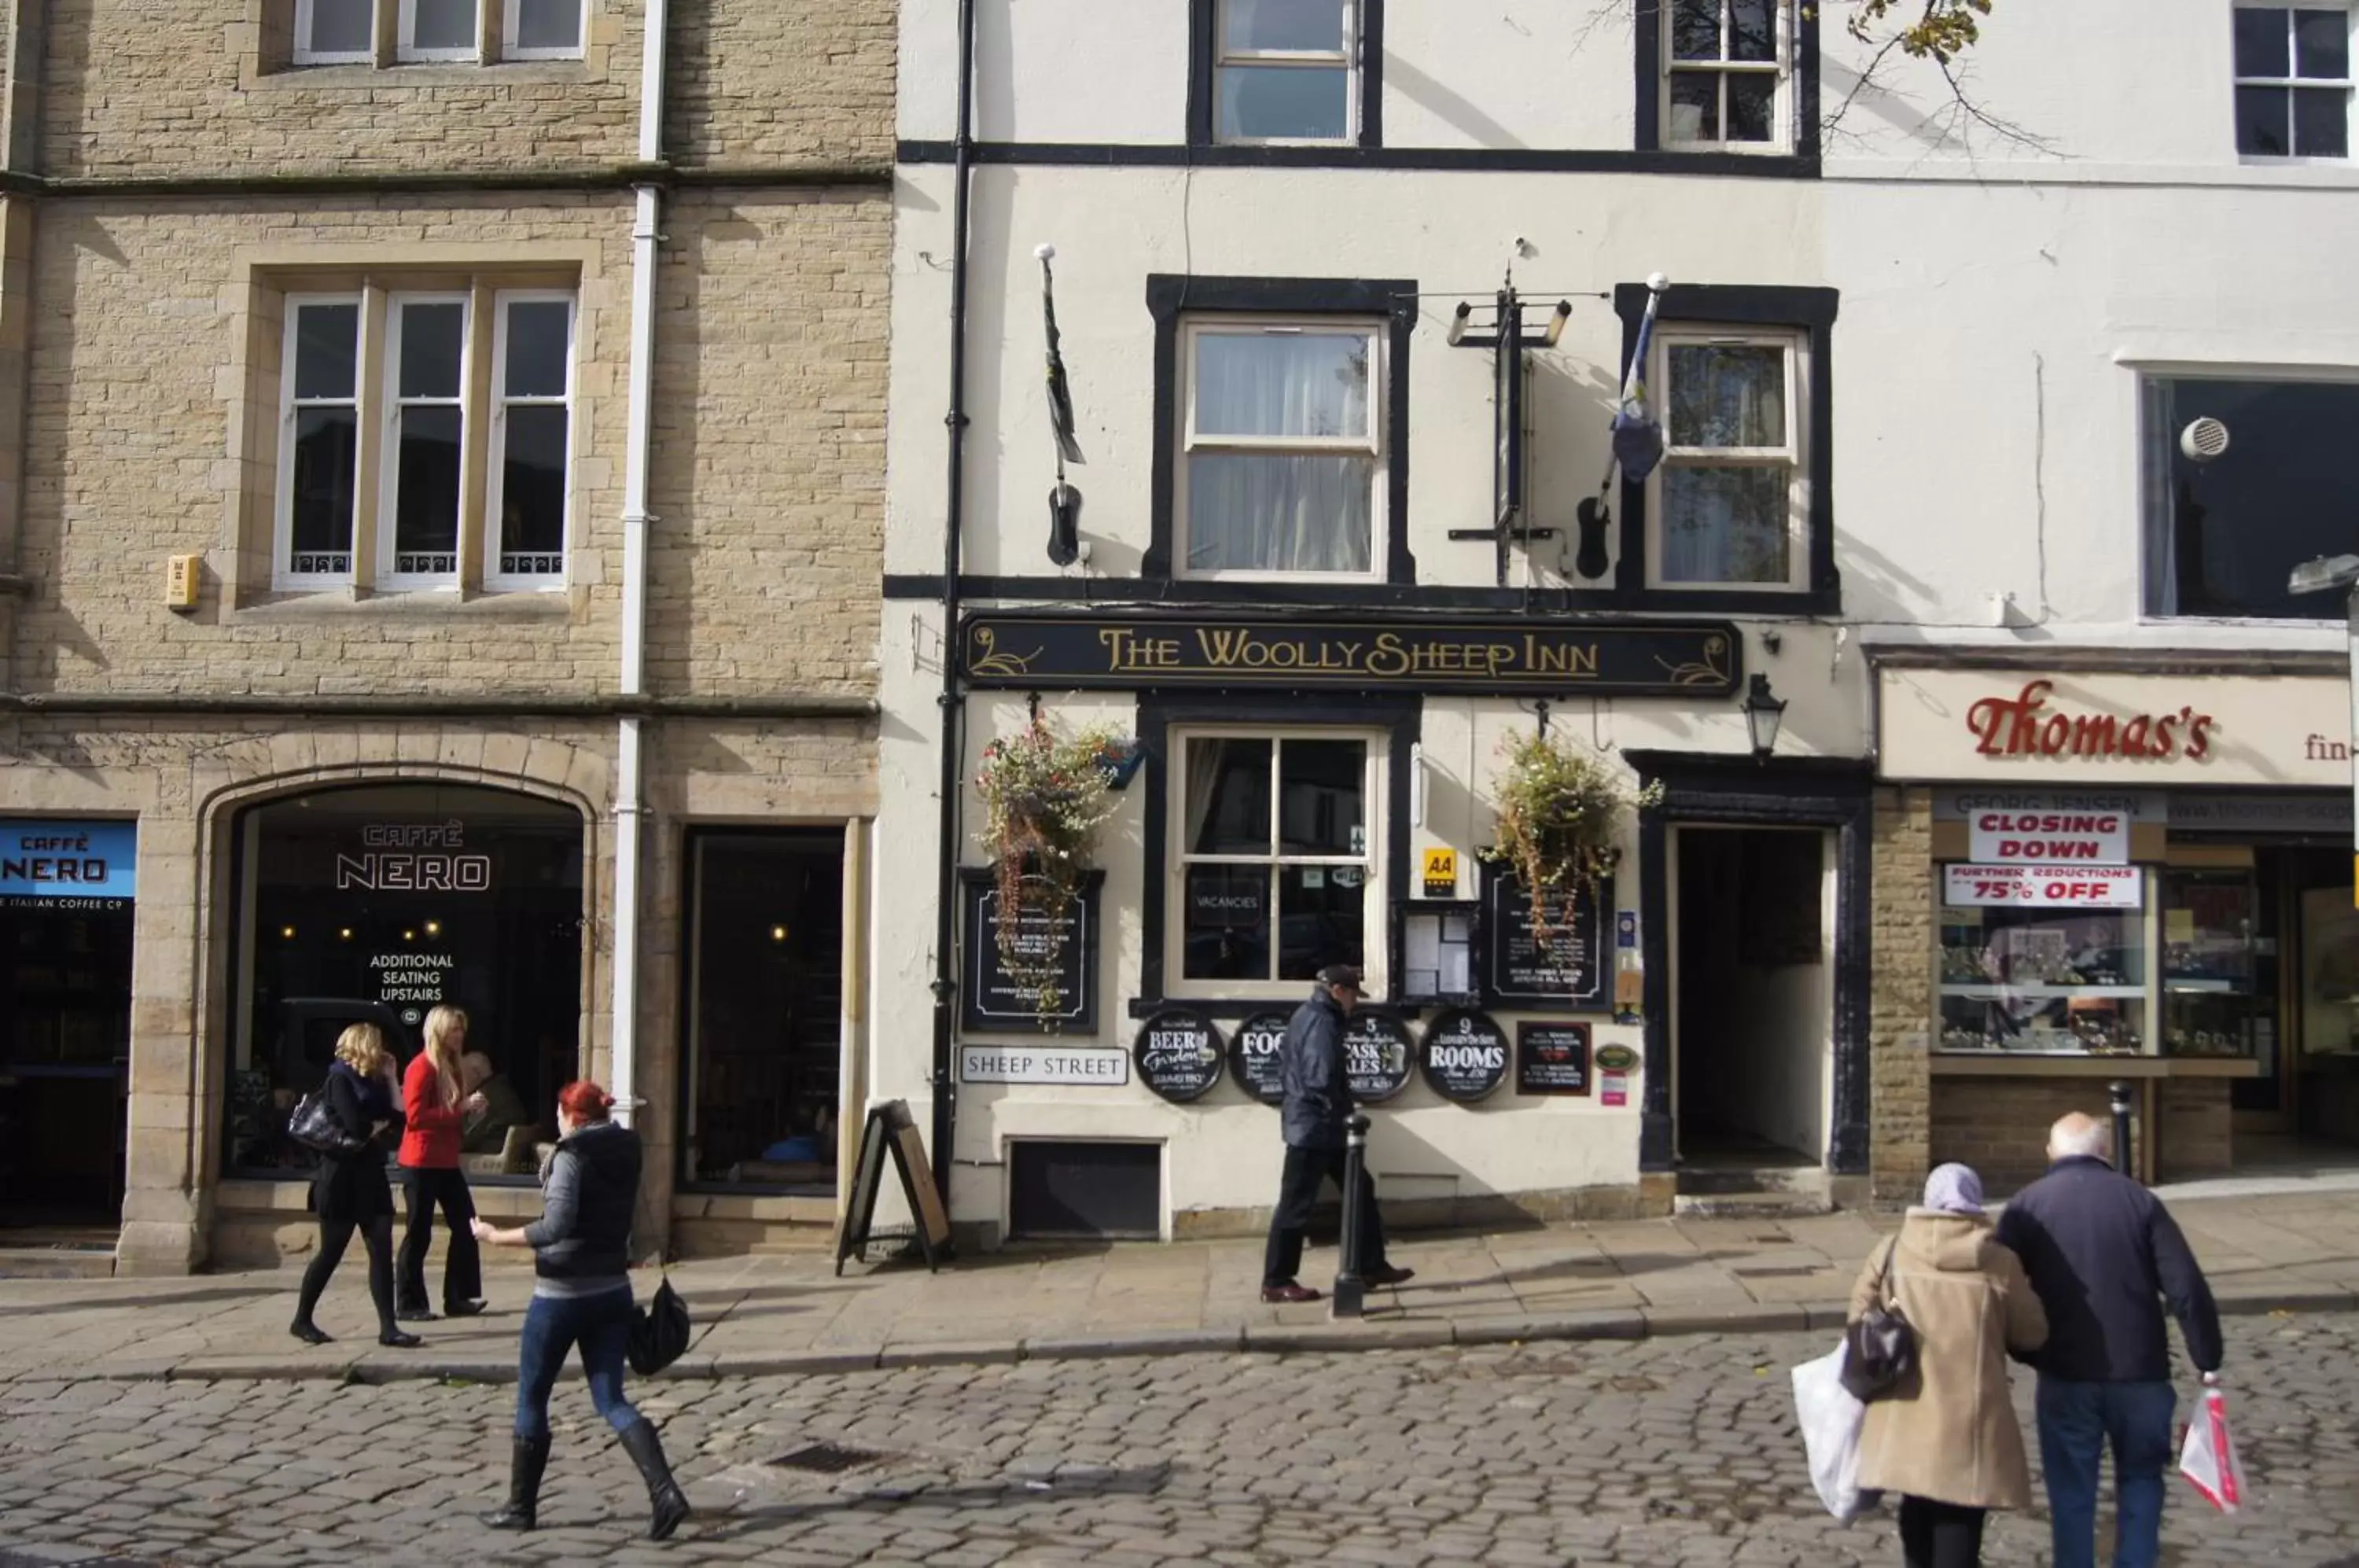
[826, 1459]
[2203, 439]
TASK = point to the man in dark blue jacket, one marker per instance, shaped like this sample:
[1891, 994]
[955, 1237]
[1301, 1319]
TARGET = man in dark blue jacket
[1318, 1104]
[2103, 1254]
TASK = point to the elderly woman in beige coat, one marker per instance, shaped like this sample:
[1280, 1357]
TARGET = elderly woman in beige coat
[1946, 1437]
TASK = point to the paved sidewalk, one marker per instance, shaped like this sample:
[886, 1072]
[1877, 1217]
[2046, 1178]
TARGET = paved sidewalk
[778, 1314]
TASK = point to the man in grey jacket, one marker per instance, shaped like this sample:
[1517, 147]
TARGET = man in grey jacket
[1318, 1104]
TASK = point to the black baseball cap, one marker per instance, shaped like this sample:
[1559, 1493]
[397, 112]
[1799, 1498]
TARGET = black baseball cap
[1341, 975]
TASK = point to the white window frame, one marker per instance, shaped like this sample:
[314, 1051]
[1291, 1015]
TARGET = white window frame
[1795, 452]
[1376, 445]
[2345, 84]
[305, 55]
[1781, 107]
[511, 19]
[1375, 946]
[282, 540]
[1346, 58]
[406, 50]
[496, 464]
[389, 500]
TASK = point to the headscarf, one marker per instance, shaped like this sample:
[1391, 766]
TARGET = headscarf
[1954, 1190]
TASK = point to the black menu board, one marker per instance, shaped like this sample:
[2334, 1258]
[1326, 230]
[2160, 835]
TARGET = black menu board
[1552, 1059]
[1253, 1056]
[990, 998]
[1567, 973]
[1465, 1054]
[1179, 1053]
[1376, 1056]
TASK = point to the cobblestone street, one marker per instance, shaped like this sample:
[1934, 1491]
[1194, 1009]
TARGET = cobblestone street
[1673, 1451]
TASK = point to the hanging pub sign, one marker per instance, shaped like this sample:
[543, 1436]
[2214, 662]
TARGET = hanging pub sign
[1376, 1056]
[1552, 1059]
[1179, 1054]
[52, 864]
[1130, 650]
[1465, 1054]
[993, 999]
[1255, 1057]
[1565, 973]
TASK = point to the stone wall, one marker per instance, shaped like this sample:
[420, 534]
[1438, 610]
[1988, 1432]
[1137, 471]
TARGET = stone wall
[1901, 996]
[2194, 1128]
[756, 84]
[1999, 1125]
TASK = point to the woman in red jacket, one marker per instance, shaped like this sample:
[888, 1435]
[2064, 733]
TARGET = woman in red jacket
[434, 1105]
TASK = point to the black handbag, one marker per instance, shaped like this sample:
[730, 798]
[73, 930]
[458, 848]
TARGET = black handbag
[1879, 1347]
[315, 1127]
[659, 1331]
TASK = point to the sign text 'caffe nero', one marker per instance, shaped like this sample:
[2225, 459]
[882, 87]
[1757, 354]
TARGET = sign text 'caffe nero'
[1129, 651]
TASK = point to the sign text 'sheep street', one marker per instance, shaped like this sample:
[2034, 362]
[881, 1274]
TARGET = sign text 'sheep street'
[1011, 1064]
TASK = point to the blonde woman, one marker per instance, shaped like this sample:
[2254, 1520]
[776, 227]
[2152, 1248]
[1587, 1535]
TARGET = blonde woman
[351, 1192]
[435, 1103]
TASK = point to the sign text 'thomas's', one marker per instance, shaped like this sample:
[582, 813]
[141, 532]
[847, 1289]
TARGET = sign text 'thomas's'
[2023, 725]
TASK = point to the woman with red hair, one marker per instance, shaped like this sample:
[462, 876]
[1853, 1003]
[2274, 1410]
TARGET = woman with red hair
[582, 1243]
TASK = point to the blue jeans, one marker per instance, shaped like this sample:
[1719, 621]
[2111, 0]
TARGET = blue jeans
[2076, 1421]
[601, 1325]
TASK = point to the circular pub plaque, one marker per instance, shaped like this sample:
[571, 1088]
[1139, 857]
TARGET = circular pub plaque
[1253, 1057]
[1465, 1054]
[1376, 1056]
[1179, 1054]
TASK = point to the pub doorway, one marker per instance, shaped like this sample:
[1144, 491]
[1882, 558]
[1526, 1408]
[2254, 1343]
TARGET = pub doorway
[1752, 1002]
[765, 945]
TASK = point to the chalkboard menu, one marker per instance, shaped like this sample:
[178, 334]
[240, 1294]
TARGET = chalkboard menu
[1465, 1054]
[1565, 974]
[1376, 1056]
[1552, 1059]
[1179, 1053]
[1253, 1056]
[990, 998]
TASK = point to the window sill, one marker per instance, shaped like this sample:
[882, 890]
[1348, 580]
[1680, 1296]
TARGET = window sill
[291, 604]
[358, 78]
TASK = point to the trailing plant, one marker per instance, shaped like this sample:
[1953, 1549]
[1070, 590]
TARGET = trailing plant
[1045, 796]
[1560, 811]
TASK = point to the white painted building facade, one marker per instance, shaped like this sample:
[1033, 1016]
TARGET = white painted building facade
[1956, 366]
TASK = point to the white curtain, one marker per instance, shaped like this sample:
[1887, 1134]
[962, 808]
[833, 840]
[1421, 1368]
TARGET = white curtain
[1266, 510]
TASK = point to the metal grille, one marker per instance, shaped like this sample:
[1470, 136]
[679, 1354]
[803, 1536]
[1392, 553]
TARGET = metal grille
[421, 563]
[322, 562]
[826, 1459]
[543, 563]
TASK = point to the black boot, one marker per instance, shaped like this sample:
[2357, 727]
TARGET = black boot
[526, 1460]
[664, 1496]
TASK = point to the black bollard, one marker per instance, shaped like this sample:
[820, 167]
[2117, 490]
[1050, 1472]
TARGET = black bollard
[1350, 1295]
[2120, 1090]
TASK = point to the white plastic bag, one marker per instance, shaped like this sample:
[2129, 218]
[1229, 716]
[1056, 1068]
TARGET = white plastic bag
[1830, 1421]
[2208, 1455]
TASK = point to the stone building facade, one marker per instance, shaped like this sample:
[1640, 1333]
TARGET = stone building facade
[441, 501]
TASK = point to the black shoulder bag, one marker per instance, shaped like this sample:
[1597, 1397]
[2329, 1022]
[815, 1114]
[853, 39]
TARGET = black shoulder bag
[314, 1125]
[1880, 1347]
[659, 1328]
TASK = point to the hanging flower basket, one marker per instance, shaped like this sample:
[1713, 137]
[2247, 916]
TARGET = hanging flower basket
[1560, 813]
[1045, 796]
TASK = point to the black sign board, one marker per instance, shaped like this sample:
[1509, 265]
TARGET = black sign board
[1179, 1053]
[1133, 650]
[892, 1130]
[1253, 1056]
[1507, 417]
[990, 998]
[1566, 972]
[1465, 1054]
[1376, 1056]
[1552, 1059]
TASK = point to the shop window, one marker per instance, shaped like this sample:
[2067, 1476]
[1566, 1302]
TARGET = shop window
[1284, 71]
[438, 364]
[374, 904]
[2219, 983]
[1276, 874]
[2293, 82]
[1730, 501]
[2039, 979]
[2245, 480]
[1282, 448]
[765, 1009]
[1725, 76]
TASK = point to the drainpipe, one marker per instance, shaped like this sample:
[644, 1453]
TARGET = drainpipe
[629, 806]
[946, 888]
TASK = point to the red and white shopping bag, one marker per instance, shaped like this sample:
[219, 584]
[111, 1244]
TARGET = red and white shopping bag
[2208, 1455]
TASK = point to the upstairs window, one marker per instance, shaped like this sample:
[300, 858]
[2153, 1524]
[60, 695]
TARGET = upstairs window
[1283, 70]
[1726, 65]
[389, 32]
[1282, 448]
[1731, 494]
[542, 29]
[2293, 82]
[335, 32]
[2226, 523]
[440, 29]
[319, 447]
[531, 439]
